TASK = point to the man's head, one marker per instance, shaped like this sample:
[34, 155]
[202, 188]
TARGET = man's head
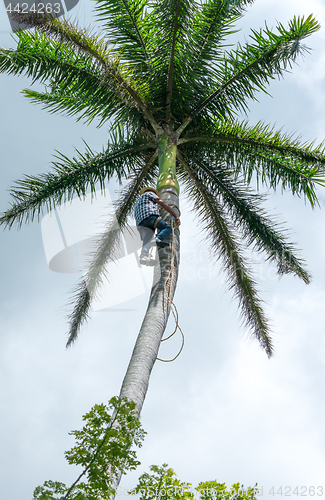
[145, 189]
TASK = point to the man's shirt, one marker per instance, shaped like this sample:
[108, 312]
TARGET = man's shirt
[145, 206]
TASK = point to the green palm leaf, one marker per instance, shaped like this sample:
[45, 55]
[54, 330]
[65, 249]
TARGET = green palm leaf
[250, 68]
[70, 178]
[213, 21]
[106, 247]
[225, 244]
[244, 208]
[125, 23]
[274, 159]
[45, 59]
[99, 105]
[70, 33]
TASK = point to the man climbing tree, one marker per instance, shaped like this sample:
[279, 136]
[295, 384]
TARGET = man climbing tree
[148, 219]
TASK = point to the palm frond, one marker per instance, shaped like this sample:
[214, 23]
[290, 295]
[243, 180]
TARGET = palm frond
[244, 207]
[69, 178]
[99, 104]
[272, 157]
[172, 58]
[249, 68]
[63, 30]
[169, 27]
[226, 246]
[212, 22]
[65, 68]
[125, 25]
[260, 134]
[107, 244]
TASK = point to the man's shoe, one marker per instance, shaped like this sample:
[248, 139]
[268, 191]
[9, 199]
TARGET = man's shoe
[161, 244]
[147, 261]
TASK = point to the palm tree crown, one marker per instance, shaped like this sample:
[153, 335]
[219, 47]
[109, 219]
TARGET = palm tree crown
[161, 75]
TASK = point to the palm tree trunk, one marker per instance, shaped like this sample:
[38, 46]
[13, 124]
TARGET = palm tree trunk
[145, 352]
[136, 380]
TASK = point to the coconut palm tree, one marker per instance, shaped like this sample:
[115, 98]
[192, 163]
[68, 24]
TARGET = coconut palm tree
[161, 76]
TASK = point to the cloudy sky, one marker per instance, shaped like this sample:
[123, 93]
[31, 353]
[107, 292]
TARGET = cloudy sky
[222, 410]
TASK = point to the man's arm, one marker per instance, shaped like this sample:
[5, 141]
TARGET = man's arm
[168, 209]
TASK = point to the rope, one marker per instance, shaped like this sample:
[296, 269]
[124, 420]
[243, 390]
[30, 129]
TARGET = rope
[171, 304]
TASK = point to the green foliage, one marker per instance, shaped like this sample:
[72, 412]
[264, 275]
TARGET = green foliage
[89, 284]
[163, 484]
[276, 159]
[126, 20]
[225, 241]
[245, 207]
[250, 68]
[103, 450]
[166, 53]
[51, 490]
[163, 67]
[73, 177]
[211, 24]
[212, 490]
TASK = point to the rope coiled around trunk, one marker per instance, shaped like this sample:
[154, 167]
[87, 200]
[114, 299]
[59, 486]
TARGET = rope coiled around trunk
[173, 308]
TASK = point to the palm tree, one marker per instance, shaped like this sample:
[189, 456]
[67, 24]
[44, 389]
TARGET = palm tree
[160, 75]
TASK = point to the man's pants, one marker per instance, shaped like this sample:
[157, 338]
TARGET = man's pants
[147, 230]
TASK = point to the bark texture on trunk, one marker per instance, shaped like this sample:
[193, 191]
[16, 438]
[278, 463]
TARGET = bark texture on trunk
[136, 380]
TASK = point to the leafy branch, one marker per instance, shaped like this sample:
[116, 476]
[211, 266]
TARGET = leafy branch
[103, 448]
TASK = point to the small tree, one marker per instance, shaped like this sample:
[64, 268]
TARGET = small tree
[103, 449]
